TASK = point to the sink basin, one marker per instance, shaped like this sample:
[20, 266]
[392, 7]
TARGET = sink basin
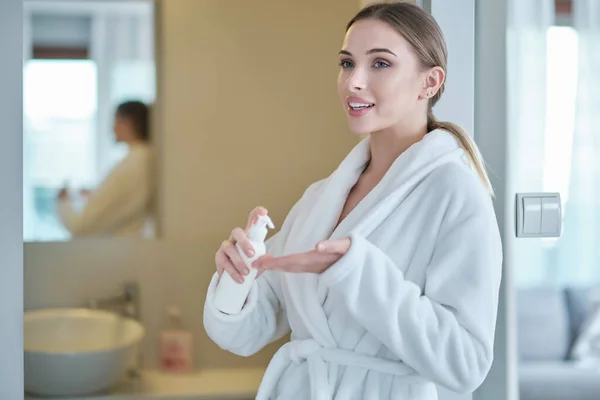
[77, 351]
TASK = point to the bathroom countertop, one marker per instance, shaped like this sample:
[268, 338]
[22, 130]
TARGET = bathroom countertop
[209, 384]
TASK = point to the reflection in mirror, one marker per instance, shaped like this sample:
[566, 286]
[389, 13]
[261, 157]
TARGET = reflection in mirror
[89, 82]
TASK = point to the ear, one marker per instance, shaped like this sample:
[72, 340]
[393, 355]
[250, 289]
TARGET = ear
[433, 79]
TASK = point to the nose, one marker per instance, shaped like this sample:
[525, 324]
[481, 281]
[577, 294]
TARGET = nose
[357, 80]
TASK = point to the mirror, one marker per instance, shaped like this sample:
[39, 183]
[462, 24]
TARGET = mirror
[88, 86]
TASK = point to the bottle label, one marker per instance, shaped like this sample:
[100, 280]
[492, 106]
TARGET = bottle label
[175, 355]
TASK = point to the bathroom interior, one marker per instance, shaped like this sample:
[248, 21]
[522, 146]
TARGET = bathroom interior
[110, 301]
[196, 63]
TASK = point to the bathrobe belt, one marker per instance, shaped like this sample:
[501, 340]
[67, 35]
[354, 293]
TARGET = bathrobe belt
[317, 356]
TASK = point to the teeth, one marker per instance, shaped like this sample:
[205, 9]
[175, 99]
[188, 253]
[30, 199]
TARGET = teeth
[358, 106]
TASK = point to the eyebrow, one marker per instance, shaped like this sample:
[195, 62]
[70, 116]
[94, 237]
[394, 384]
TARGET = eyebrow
[376, 50]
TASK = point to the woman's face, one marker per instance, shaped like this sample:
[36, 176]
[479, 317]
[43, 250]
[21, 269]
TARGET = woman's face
[380, 82]
[122, 128]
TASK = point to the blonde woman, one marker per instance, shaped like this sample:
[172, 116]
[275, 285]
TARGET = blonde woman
[122, 204]
[387, 272]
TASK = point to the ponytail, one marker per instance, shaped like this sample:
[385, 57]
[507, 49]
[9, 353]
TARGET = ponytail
[467, 143]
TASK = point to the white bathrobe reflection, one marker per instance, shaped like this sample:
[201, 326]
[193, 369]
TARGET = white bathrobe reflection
[121, 205]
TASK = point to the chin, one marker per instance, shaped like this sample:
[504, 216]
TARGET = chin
[361, 128]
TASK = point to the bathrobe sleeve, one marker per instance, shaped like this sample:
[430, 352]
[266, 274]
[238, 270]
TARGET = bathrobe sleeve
[124, 194]
[263, 319]
[445, 332]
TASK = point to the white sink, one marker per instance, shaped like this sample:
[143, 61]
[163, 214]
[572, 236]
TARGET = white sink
[77, 351]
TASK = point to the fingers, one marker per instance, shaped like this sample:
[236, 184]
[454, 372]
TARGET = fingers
[228, 258]
[312, 262]
[290, 263]
[221, 260]
[239, 266]
[239, 236]
[224, 261]
[339, 246]
[254, 214]
[257, 264]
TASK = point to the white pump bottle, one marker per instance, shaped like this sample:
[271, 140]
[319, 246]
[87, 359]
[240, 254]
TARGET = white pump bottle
[230, 296]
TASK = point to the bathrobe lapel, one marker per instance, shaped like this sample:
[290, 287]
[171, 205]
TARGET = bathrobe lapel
[318, 218]
[321, 213]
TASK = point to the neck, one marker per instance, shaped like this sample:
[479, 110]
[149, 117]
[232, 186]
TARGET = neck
[134, 142]
[387, 145]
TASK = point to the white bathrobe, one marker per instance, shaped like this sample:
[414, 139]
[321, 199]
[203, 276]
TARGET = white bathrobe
[122, 203]
[411, 305]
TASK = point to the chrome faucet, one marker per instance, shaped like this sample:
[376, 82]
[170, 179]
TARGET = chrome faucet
[127, 303]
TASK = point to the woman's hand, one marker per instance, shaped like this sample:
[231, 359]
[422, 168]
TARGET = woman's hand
[228, 258]
[326, 253]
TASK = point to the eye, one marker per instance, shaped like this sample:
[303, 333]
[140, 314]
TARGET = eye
[381, 64]
[346, 64]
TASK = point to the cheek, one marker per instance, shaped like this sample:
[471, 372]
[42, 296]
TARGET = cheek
[118, 129]
[341, 84]
[396, 93]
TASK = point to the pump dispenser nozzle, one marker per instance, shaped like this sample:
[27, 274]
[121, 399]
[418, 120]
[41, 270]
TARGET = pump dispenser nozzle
[258, 230]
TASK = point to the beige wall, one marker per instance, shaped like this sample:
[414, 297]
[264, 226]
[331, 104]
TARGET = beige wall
[249, 116]
[251, 109]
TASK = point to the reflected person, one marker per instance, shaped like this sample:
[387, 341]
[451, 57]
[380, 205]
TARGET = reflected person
[121, 205]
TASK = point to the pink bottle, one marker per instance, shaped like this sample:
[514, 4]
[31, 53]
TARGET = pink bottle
[176, 345]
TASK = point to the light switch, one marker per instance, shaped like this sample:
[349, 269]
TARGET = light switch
[551, 216]
[538, 215]
[532, 215]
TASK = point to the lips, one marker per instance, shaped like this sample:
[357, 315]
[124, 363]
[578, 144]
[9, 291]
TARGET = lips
[357, 103]
[358, 107]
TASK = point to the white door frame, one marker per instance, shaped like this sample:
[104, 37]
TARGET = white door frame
[491, 135]
[11, 201]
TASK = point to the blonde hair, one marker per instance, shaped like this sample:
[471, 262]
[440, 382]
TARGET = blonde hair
[427, 40]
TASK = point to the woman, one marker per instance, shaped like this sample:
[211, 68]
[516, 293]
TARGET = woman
[388, 271]
[121, 205]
